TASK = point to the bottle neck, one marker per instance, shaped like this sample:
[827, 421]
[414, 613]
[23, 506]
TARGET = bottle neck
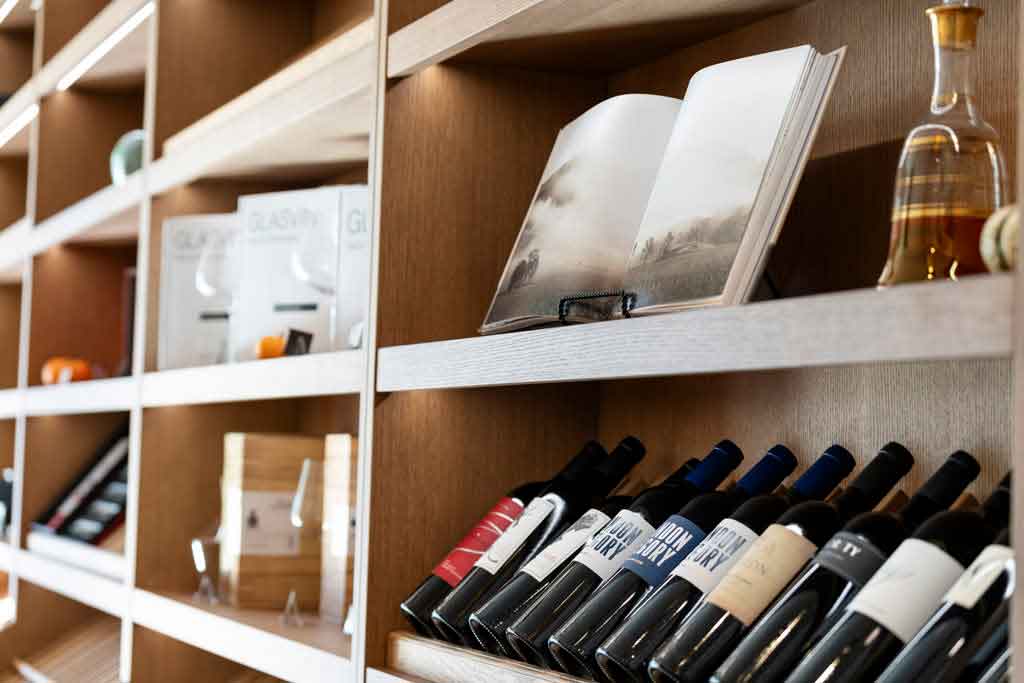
[917, 511]
[954, 80]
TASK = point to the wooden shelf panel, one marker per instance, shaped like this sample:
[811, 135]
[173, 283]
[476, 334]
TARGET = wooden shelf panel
[95, 396]
[82, 555]
[109, 215]
[98, 592]
[437, 662]
[314, 114]
[255, 639]
[931, 321]
[463, 24]
[12, 109]
[317, 374]
[21, 17]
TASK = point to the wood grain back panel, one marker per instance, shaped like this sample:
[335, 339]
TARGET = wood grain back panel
[10, 316]
[15, 59]
[403, 12]
[464, 148]
[62, 19]
[931, 408]
[77, 131]
[156, 658]
[333, 17]
[43, 617]
[7, 443]
[77, 296]
[441, 460]
[210, 52]
[13, 189]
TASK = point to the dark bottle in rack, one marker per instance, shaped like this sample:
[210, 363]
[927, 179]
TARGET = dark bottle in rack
[605, 552]
[624, 655]
[715, 626]
[821, 592]
[589, 477]
[575, 643]
[942, 649]
[902, 595]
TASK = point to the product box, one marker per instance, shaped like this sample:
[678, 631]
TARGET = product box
[305, 256]
[200, 272]
[263, 554]
[339, 520]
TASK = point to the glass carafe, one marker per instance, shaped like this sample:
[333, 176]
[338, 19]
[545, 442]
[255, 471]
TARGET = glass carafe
[951, 175]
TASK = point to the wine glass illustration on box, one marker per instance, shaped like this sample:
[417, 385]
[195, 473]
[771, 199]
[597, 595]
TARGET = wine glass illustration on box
[306, 513]
[217, 278]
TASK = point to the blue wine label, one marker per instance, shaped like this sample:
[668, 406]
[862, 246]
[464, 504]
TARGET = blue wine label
[670, 544]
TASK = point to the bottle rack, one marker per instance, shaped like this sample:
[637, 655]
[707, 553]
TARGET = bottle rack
[448, 110]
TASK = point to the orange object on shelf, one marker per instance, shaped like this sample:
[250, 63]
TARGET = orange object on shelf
[270, 347]
[61, 370]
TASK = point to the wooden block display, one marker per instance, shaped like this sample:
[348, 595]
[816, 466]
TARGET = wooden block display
[337, 562]
[263, 557]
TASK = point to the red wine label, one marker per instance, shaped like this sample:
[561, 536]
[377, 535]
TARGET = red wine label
[663, 551]
[460, 560]
[567, 545]
[851, 557]
[994, 561]
[716, 555]
[905, 591]
[771, 563]
[605, 553]
[529, 521]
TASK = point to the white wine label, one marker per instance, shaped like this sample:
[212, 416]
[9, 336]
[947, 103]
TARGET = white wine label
[716, 555]
[567, 545]
[761, 574]
[904, 593]
[993, 562]
[508, 543]
[606, 552]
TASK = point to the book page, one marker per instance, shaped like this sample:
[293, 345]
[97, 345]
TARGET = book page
[587, 210]
[717, 158]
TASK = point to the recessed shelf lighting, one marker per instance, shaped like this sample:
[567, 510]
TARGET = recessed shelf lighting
[15, 126]
[108, 44]
[6, 8]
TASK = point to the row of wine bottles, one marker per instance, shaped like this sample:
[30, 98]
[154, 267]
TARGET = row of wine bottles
[686, 583]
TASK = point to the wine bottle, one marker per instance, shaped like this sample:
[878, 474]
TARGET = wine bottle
[901, 596]
[562, 501]
[985, 650]
[624, 655]
[450, 571]
[715, 626]
[771, 648]
[938, 651]
[575, 644]
[605, 552]
[998, 671]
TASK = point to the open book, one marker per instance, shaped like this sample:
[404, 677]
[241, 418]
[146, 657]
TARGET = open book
[675, 203]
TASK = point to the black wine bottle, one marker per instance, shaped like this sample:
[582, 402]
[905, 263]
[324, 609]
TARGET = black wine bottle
[624, 655]
[986, 649]
[715, 626]
[769, 651]
[901, 596]
[561, 502]
[451, 570]
[605, 552]
[575, 644]
[938, 652]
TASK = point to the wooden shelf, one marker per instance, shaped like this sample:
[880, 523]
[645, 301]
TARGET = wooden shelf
[10, 402]
[11, 110]
[436, 662]
[88, 588]
[21, 17]
[933, 321]
[380, 676]
[256, 639]
[82, 555]
[317, 374]
[109, 215]
[313, 115]
[95, 396]
[460, 25]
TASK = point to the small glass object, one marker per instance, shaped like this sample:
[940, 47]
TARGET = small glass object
[206, 558]
[307, 511]
[952, 175]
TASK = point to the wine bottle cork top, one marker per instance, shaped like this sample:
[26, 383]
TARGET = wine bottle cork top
[955, 24]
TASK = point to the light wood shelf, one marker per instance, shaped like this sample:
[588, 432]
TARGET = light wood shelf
[320, 374]
[90, 558]
[460, 25]
[82, 586]
[439, 662]
[968, 319]
[256, 639]
[94, 396]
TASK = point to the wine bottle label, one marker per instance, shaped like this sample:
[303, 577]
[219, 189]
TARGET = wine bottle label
[851, 557]
[608, 549]
[716, 555]
[462, 558]
[508, 543]
[567, 545]
[905, 591]
[979, 577]
[670, 544]
[771, 563]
